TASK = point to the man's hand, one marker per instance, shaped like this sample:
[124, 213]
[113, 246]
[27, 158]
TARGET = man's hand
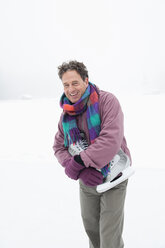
[73, 168]
[91, 177]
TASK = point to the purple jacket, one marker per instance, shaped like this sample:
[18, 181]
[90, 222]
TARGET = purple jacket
[109, 141]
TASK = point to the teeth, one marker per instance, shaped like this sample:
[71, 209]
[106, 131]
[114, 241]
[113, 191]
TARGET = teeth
[73, 94]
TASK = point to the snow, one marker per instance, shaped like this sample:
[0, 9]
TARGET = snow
[39, 205]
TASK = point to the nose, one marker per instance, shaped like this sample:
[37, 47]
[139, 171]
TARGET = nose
[71, 88]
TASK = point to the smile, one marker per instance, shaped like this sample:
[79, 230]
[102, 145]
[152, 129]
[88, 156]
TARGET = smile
[73, 94]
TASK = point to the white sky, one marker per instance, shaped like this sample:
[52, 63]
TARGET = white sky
[120, 42]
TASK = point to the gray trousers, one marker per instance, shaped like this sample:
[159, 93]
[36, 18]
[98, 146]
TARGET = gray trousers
[103, 215]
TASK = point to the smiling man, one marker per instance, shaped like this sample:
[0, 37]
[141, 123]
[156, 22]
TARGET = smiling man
[91, 146]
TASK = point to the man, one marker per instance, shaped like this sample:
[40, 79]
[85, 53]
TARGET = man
[92, 117]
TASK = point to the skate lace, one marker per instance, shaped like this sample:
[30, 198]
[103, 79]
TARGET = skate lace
[83, 144]
[79, 146]
[115, 160]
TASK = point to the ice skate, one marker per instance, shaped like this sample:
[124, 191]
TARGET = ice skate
[120, 170]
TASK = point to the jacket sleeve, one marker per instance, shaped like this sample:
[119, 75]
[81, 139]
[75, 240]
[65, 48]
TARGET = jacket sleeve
[108, 143]
[60, 151]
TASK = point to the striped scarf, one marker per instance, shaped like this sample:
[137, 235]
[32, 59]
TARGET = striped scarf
[88, 102]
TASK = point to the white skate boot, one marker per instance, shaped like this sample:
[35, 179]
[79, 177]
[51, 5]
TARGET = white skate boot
[120, 170]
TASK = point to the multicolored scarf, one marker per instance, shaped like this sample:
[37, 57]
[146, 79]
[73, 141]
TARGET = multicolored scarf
[88, 102]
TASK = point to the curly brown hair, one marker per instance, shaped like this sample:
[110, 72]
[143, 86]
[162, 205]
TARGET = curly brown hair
[73, 65]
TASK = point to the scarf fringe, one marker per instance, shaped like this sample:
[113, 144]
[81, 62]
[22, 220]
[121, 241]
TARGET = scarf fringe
[71, 137]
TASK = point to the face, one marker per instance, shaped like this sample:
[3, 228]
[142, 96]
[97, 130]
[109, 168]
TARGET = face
[74, 86]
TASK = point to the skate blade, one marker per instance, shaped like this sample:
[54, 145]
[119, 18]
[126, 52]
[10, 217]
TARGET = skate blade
[108, 185]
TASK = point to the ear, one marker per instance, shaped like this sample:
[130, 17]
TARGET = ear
[86, 81]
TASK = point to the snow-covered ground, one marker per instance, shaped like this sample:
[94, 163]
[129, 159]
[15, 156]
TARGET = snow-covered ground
[39, 205]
